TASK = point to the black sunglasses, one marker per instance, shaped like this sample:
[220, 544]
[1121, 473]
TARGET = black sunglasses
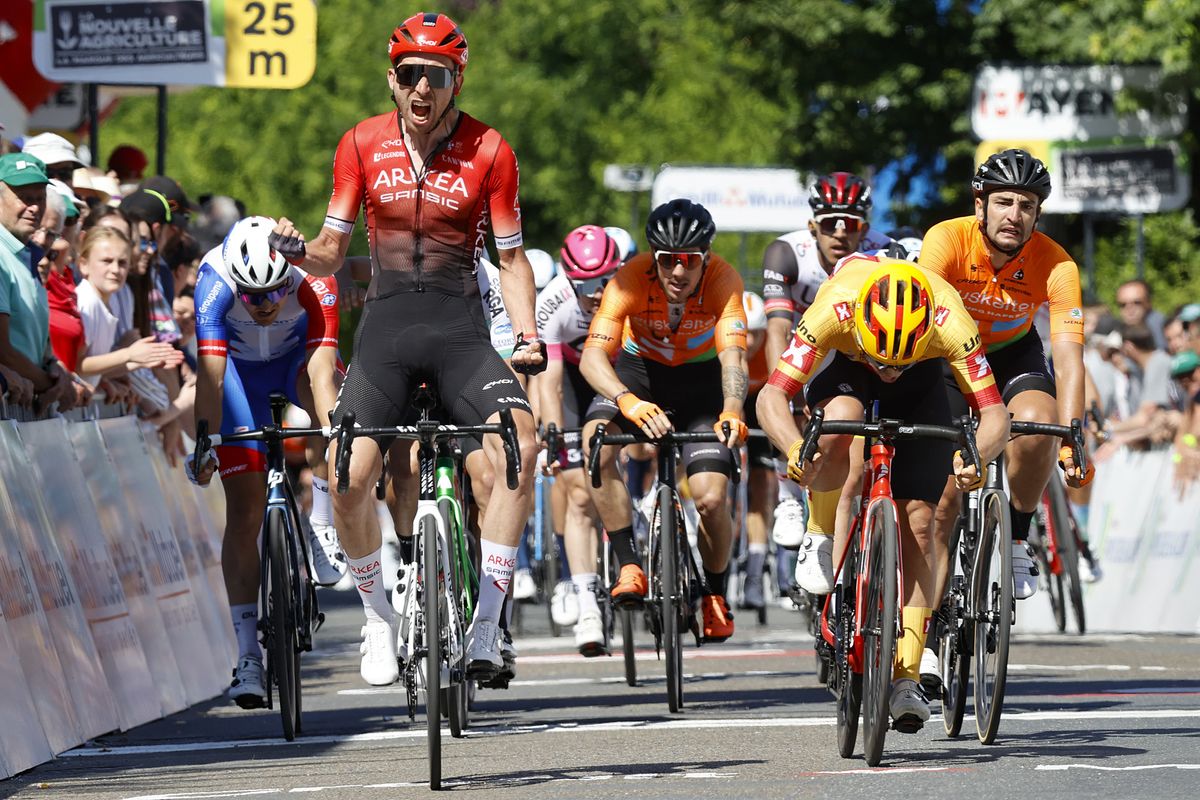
[410, 75]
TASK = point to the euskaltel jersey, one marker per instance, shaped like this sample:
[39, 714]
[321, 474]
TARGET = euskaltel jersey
[224, 327]
[828, 325]
[1004, 302]
[427, 224]
[792, 271]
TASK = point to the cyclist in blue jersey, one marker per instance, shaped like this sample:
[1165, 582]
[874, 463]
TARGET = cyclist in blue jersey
[262, 326]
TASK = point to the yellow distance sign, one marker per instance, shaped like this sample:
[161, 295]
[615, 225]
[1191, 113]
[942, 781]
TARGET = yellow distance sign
[270, 44]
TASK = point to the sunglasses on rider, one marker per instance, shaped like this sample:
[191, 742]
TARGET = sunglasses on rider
[588, 287]
[832, 223]
[410, 75]
[270, 296]
[882, 367]
[669, 259]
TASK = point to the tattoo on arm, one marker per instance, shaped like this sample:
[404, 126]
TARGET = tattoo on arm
[733, 382]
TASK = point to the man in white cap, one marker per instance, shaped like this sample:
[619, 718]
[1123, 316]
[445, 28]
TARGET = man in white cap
[56, 153]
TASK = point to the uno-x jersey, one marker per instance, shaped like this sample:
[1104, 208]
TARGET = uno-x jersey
[1003, 302]
[309, 317]
[829, 325]
[634, 315]
[792, 271]
[561, 323]
[427, 225]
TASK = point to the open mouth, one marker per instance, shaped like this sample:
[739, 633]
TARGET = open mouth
[421, 111]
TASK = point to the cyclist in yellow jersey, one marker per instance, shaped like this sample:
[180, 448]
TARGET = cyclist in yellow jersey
[1004, 271]
[889, 324]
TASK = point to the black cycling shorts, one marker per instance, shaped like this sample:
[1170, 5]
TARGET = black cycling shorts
[1017, 368]
[413, 337]
[921, 466]
[577, 395]
[689, 393]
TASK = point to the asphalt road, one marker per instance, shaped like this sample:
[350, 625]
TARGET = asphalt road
[1093, 716]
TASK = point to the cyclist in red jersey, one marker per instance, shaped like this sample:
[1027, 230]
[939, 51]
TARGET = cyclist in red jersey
[431, 181]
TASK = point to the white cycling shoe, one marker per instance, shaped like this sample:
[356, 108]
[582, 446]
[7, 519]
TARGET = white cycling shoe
[524, 586]
[248, 689]
[908, 706]
[814, 564]
[589, 634]
[788, 531]
[484, 659]
[329, 563]
[564, 604]
[1025, 571]
[379, 666]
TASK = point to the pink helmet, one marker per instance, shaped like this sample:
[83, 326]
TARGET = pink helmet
[588, 252]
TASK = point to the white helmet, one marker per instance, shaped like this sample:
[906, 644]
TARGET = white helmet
[252, 263]
[625, 243]
[543, 267]
[912, 246]
[756, 312]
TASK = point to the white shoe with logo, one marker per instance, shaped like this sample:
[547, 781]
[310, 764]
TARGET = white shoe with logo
[379, 666]
[524, 586]
[910, 711]
[564, 604]
[484, 659]
[247, 688]
[1025, 571]
[329, 563]
[790, 520]
[589, 634]
[814, 564]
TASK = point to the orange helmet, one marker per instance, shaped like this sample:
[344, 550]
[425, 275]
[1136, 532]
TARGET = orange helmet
[429, 34]
[893, 318]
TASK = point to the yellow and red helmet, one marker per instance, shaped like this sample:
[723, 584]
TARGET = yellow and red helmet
[893, 319]
[429, 34]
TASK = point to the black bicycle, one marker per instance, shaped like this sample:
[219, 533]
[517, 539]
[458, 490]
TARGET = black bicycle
[288, 593]
[676, 583]
[434, 628]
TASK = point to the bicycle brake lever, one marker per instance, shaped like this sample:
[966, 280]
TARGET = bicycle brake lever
[812, 432]
[968, 436]
[512, 448]
[345, 441]
[594, 455]
[1078, 452]
[203, 444]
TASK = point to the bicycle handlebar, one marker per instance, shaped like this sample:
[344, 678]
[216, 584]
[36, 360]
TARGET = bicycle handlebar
[429, 431]
[601, 437]
[889, 429]
[1073, 434]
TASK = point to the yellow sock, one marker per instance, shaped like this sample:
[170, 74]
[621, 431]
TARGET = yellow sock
[822, 511]
[908, 649]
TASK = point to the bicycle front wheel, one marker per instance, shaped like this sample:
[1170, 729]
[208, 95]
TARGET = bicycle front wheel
[879, 627]
[283, 649]
[1068, 551]
[455, 695]
[431, 605]
[672, 597]
[848, 682]
[994, 609]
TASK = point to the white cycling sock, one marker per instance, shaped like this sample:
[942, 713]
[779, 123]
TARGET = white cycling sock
[245, 626]
[320, 503]
[368, 577]
[585, 589]
[495, 575]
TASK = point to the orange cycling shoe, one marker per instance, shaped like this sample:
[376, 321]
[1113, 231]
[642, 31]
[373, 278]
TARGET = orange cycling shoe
[630, 586]
[718, 621]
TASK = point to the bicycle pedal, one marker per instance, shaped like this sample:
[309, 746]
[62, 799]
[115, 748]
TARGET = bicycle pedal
[907, 724]
[931, 687]
[594, 650]
[497, 682]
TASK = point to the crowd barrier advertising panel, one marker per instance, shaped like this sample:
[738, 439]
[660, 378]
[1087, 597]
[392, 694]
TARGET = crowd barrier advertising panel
[25, 619]
[117, 522]
[214, 615]
[208, 548]
[22, 742]
[1168, 570]
[92, 700]
[168, 575]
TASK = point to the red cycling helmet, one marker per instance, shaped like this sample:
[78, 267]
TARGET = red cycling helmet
[431, 35]
[589, 252]
[840, 193]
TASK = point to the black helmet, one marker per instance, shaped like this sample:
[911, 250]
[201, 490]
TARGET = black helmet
[840, 193]
[1012, 169]
[680, 225]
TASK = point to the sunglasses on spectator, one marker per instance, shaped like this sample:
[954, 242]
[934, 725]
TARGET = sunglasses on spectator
[1121, 304]
[668, 259]
[64, 174]
[270, 296]
[588, 287]
[147, 245]
[830, 224]
[410, 75]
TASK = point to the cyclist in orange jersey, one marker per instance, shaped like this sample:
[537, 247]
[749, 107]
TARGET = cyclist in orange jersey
[1004, 270]
[889, 324]
[673, 319]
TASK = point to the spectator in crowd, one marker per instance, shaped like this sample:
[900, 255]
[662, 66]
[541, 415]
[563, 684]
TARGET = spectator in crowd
[24, 309]
[1103, 361]
[56, 153]
[95, 188]
[74, 211]
[1175, 333]
[54, 269]
[1134, 304]
[183, 258]
[1189, 315]
[184, 307]
[1185, 370]
[217, 216]
[127, 165]
[1153, 411]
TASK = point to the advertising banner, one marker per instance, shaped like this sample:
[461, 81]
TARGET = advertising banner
[117, 521]
[740, 199]
[22, 742]
[163, 560]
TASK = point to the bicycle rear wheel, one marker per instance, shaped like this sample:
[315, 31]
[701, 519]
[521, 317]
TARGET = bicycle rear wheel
[994, 608]
[954, 657]
[1068, 551]
[673, 597]
[849, 682]
[1048, 554]
[879, 628]
[431, 605]
[282, 647]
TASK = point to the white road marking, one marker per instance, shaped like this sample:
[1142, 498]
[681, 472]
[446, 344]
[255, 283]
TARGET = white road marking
[642, 679]
[1139, 768]
[590, 727]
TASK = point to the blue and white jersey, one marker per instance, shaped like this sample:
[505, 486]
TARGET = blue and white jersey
[499, 326]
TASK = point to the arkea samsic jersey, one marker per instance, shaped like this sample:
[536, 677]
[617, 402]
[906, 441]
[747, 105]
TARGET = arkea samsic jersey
[634, 315]
[427, 225]
[308, 319]
[1004, 302]
[792, 271]
[829, 325]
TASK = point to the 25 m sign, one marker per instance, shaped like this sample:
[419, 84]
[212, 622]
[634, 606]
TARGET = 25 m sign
[270, 44]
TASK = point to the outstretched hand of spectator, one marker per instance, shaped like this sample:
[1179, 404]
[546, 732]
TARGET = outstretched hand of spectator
[146, 352]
